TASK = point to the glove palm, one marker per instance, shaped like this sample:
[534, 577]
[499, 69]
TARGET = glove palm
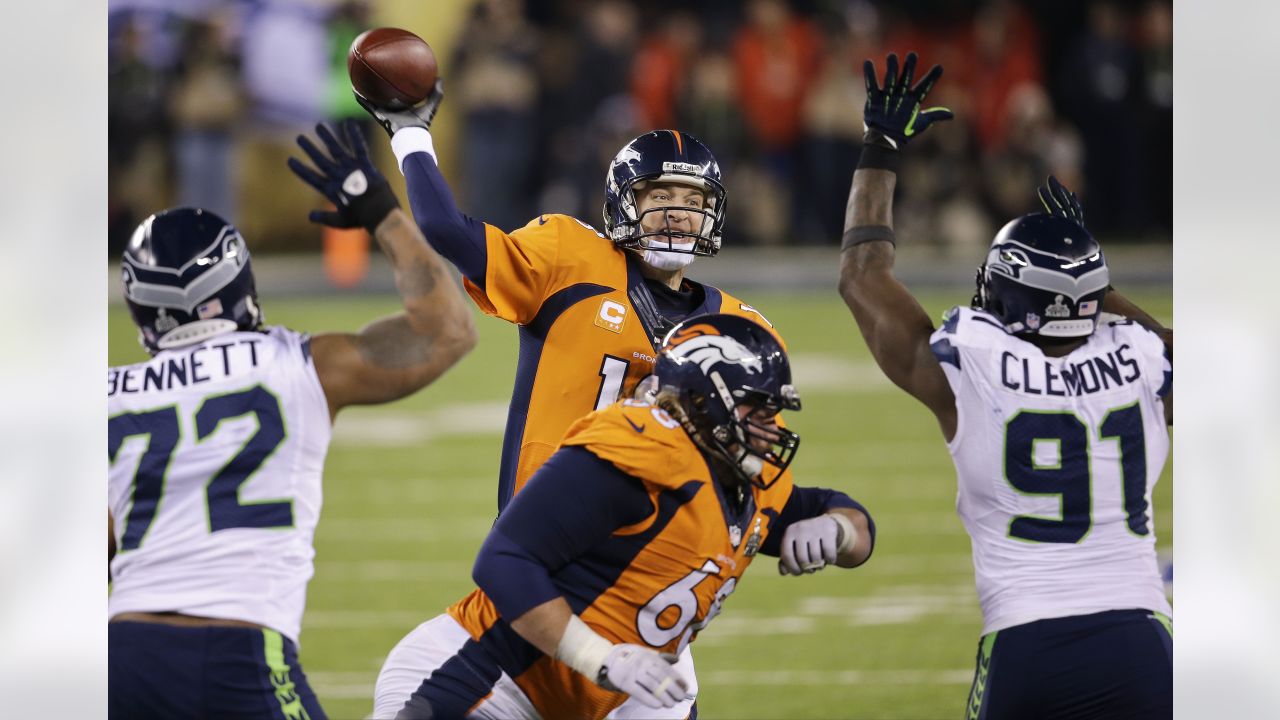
[893, 115]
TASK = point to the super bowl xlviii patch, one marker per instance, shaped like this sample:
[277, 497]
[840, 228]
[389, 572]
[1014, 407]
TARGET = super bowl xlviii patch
[1057, 309]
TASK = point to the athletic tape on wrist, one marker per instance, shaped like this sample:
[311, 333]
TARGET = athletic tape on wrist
[410, 140]
[848, 533]
[867, 233]
[582, 648]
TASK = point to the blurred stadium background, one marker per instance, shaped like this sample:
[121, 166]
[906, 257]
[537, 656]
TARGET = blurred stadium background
[206, 97]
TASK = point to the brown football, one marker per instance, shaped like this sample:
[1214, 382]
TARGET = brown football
[391, 68]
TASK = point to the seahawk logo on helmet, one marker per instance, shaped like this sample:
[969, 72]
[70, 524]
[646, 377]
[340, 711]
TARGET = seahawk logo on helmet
[187, 277]
[1044, 275]
[721, 375]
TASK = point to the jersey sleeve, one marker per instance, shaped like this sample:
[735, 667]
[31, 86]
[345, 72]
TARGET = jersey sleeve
[1153, 354]
[640, 440]
[574, 502]
[810, 502]
[522, 270]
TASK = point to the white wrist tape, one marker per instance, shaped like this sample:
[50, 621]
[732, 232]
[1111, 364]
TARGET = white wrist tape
[411, 140]
[848, 533]
[582, 648]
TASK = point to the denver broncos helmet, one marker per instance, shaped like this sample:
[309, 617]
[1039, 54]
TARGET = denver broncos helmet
[664, 156]
[187, 278]
[1044, 275]
[711, 366]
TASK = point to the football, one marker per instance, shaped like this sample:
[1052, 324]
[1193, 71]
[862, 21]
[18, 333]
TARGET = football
[391, 68]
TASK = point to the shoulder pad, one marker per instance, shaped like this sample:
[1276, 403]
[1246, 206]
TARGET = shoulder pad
[641, 440]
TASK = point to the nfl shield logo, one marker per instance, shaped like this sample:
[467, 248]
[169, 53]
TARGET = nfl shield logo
[1033, 321]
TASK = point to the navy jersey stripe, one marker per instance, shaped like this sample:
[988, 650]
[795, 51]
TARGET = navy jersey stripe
[945, 352]
[532, 338]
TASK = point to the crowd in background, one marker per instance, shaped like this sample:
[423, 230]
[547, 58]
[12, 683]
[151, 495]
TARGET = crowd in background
[205, 98]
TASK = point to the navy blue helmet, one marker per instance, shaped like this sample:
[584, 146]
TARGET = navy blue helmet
[187, 278]
[721, 376]
[1044, 275]
[664, 156]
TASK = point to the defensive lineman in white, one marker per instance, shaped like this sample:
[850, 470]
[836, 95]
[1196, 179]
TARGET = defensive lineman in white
[217, 444]
[1056, 420]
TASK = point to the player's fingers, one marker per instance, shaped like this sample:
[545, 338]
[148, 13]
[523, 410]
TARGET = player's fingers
[1047, 200]
[322, 162]
[355, 139]
[329, 218]
[908, 71]
[869, 74]
[336, 149]
[926, 83]
[931, 116]
[891, 73]
[307, 175]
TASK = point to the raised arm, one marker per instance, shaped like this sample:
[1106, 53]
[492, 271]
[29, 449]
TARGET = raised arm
[397, 355]
[459, 238]
[894, 325]
[1060, 201]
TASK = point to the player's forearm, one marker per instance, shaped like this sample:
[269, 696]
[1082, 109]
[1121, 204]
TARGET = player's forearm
[459, 238]
[864, 537]
[544, 625]
[436, 313]
[1121, 305]
[868, 229]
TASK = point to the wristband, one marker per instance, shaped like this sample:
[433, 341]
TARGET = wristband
[847, 535]
[583, 649]
[410, 140]
[371, 208]
[878, 152]
[867, 233]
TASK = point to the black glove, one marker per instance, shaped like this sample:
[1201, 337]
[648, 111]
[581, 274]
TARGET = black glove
[419, 115]
[1061, 202]
[347, 177]
[893, 115]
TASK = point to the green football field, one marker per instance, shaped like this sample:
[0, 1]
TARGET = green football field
[410, 490]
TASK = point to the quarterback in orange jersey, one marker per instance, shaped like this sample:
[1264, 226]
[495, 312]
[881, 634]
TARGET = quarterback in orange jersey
[592, 306]
[627, 543]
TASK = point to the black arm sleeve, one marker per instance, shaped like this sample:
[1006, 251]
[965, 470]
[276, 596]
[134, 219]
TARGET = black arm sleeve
[574, 501]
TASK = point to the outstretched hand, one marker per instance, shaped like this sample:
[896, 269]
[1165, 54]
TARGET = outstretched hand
[1061, 202]
[419, 115]
[893, 113]
[347, 177]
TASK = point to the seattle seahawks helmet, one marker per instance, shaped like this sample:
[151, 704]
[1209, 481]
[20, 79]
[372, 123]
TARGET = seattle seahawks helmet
[711, 366]
[187, 278]
[1044, 275]
[664, 156]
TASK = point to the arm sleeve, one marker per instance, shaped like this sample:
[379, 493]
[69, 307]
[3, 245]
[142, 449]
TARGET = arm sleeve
[810, 502]
[457, 237]
[571, 504]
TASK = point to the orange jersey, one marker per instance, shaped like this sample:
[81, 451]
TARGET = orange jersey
[659, 581]
[588, 330]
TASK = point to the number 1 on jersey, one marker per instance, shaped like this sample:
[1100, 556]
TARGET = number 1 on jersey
[613, 371]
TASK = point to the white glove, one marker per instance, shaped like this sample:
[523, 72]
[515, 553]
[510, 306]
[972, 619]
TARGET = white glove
[644, 674]
[807, 546]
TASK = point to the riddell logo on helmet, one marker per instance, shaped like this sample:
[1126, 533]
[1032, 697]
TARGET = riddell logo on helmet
[611, 316]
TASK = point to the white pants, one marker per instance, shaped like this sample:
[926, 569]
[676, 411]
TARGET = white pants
[433, 642]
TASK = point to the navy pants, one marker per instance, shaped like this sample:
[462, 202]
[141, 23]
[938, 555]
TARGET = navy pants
[167, 673]
[1114, 664]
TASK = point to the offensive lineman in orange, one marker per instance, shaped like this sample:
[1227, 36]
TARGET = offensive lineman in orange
[625, 544]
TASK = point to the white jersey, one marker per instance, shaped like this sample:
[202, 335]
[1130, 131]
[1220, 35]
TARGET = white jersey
[1056, 459]
[216, 453]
